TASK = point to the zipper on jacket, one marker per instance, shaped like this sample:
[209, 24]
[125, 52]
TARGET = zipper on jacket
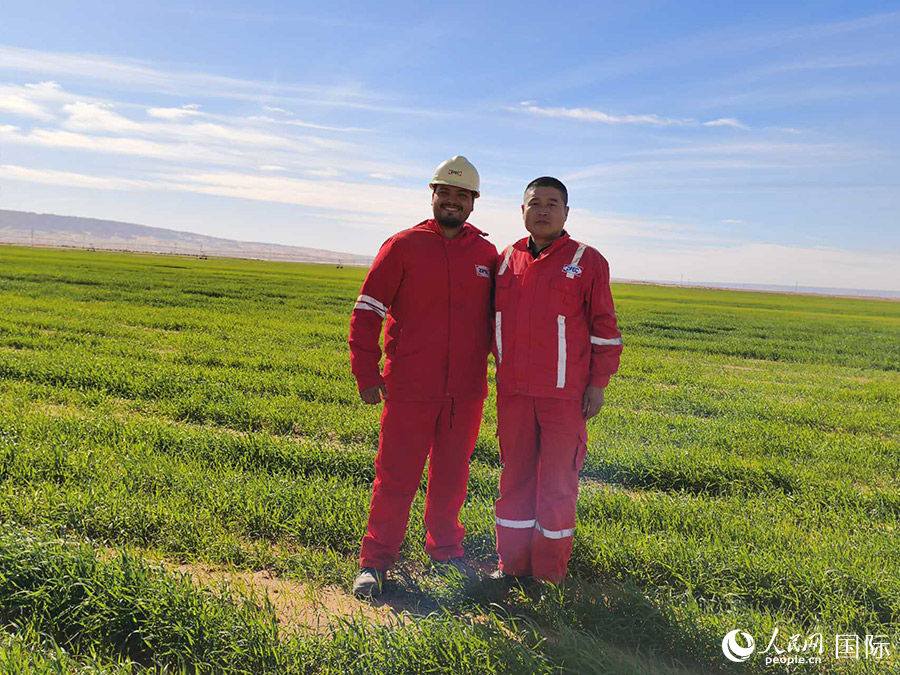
[449, 320]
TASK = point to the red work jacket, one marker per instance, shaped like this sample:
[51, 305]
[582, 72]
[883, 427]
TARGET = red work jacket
[436, 296]
[555, 324]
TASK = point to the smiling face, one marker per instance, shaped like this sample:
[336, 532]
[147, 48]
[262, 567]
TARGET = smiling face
[544, 211]
[451, 205]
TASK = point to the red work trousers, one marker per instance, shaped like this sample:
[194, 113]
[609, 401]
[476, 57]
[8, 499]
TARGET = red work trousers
[411, 432]
[543, 442]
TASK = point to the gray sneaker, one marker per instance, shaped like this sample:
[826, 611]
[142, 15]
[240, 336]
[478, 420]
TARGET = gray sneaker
[369, 583]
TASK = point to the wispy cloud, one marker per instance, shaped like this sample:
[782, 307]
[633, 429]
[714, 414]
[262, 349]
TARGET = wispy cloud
[189, 110]
[148, 76]
[725, 122]
[278, 110]
[137, 147]
[681, 164]
[305, 125]
[20, 106]
[71, 179]
[601, 117]
[591, 115]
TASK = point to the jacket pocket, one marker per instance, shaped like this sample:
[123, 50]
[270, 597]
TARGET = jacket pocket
[566, 295]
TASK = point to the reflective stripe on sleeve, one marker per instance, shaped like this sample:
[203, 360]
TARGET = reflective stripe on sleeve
[561, 356]
[499, 335]
[605, 341]
[372, 301]
[505, 263]
[363, 305]
[516, 524]
[554, 534]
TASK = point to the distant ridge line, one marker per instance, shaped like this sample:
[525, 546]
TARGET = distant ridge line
[849, 293]
[45, 229]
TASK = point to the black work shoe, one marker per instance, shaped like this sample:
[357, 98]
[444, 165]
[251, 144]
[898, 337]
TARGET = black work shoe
[510, 580]
[369, 583]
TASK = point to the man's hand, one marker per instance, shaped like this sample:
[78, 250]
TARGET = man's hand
[592, 401]
[373, 395]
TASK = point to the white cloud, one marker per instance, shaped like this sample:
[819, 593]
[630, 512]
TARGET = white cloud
[69, 179]
[278, 110]
[590, 115]
[13, 104]
[726, 122]
[323, 173]
[272, 167]
[97, 117]
[191, 110]
[146, 76]
[111, 145]
[732, 221]
[298, 123]
[598, 116]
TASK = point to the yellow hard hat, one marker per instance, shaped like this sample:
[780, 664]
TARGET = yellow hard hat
[458, 172]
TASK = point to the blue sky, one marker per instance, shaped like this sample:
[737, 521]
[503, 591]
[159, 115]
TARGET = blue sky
[711, 141]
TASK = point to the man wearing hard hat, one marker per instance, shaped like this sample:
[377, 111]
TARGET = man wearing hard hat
[432, 285]
[557, 345]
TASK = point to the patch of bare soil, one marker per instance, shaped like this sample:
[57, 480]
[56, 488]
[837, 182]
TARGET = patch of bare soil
[298, 606]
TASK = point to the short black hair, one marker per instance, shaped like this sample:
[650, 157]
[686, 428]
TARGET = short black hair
[549, 181]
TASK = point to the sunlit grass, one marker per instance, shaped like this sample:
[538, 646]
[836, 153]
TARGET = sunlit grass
[744, 473]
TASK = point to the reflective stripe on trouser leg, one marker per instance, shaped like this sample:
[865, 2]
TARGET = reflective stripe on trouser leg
[515, 510]
[516, 524]
[407, 432]
[554, 534]
[562, 448]
[561, 352]
[498, 334]
[448, 474]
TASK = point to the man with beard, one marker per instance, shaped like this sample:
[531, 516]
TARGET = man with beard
[432, 284]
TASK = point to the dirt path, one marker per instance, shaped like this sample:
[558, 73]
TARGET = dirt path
[298, 606]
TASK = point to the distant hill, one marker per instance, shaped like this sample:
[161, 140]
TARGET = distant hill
[44, 229]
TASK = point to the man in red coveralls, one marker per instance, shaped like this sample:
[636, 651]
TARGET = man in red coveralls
[556, 346]
[432, 284]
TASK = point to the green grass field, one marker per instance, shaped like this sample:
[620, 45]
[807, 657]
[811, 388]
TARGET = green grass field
[744, 474]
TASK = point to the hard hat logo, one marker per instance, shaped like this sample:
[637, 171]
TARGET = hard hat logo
[458, 172]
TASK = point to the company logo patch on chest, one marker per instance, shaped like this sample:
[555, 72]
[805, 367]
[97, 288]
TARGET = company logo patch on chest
[572, 269]
[482, 271]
